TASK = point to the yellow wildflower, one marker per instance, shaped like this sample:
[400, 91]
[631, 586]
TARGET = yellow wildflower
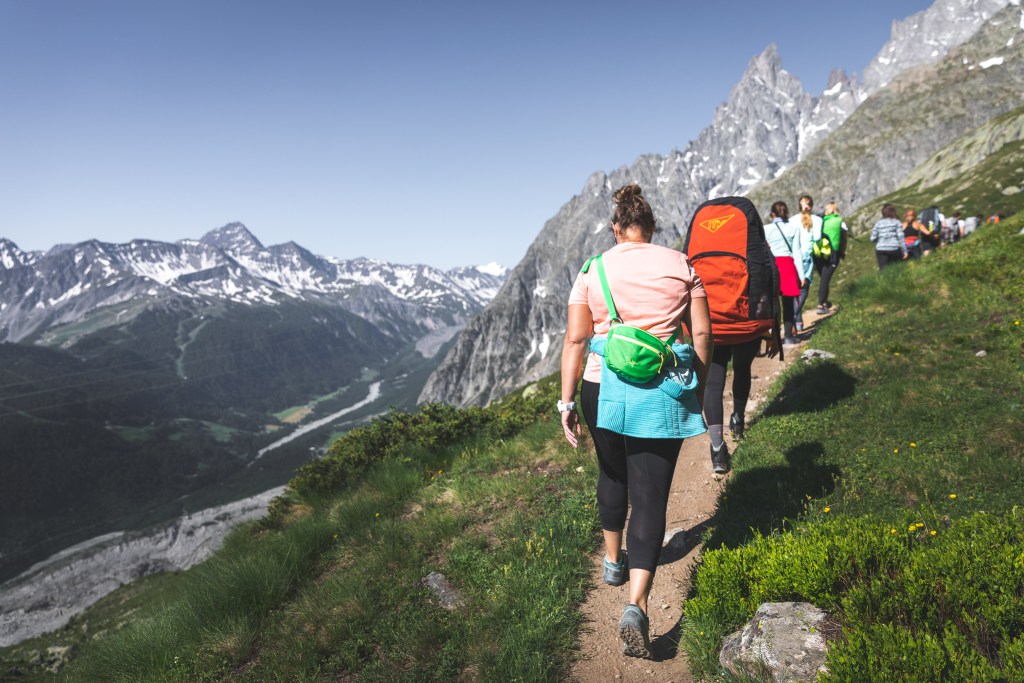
[952, 496]
[827, 510]
[892, 531]
[913, 445]
[933, 532]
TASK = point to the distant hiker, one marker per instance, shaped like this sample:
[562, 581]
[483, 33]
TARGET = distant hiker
[637, 428]
[727, 247]
[810, 224]
[954, 228]
[786, 242]
[971, 224]
[888, 236]
[913, 233]
[930, 229]
[829, 250]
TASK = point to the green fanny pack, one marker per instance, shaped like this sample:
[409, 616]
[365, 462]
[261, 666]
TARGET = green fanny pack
[630, 352]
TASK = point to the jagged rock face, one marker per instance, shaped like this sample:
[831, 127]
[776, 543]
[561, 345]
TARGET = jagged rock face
[767, 126]
[928, 36]
[912, 118]
[71, 282]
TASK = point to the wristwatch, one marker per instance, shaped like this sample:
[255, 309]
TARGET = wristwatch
[566, 407]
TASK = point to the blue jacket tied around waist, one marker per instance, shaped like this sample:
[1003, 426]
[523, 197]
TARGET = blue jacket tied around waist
[664, 408]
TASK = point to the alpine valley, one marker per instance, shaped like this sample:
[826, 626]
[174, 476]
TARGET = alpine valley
[945, 71]
[143, 381]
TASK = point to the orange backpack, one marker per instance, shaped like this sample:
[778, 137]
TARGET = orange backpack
[727, 249]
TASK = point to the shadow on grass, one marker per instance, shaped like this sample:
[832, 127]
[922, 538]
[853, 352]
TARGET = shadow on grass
[761, 499]
[812, 388]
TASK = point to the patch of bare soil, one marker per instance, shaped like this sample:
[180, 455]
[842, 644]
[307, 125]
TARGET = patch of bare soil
[691, 505]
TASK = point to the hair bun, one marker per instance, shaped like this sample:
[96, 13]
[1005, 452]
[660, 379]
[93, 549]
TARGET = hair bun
[627, 192]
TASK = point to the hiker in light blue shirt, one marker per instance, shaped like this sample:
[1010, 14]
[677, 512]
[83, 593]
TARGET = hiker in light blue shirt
[808, 226]
[786, 243]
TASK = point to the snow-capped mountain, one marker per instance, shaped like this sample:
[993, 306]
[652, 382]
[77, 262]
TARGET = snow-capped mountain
[64, 285]
[767, 126]
[928, 36]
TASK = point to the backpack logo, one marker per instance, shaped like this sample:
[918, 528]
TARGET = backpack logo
[715, 224]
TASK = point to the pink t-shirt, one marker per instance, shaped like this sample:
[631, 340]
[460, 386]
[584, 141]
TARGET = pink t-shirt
[651, 287]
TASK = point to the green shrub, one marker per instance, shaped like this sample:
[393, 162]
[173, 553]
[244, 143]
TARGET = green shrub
[916, 601]
[434, 426]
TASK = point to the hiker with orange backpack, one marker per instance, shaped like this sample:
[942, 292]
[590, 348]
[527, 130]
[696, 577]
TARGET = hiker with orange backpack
[726, 245]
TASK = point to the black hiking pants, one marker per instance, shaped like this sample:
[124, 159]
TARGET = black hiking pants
[886, 258]
[825, 273]
[632, 470]
[742, 356]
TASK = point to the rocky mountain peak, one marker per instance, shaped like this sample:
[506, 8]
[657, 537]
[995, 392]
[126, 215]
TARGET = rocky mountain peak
[233, 238]
[11, 256]
[928, 36]
[766, 65]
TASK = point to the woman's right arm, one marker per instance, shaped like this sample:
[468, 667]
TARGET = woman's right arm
[574, 348]
[697, 319]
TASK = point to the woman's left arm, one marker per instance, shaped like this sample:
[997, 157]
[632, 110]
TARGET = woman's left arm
[574, 348]
[697, 319]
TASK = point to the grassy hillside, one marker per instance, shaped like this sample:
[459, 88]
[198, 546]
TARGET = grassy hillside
[331, 585]
[884, 485]
[979, 174]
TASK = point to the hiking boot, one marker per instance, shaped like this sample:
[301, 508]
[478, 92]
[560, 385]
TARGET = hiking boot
[633, 630]
[822, 310]
[720, 459]
[790, 341]
[736, 426]
[615, 572]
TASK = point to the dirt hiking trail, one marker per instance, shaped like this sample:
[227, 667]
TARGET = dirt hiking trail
[692, 502]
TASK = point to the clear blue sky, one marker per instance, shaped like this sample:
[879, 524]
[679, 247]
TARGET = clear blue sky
[418, 132]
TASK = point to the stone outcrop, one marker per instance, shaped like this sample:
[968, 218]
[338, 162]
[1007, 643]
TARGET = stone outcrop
[783, 643]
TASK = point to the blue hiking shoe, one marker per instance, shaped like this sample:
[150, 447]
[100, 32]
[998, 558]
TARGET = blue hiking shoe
[633, 630]
[615, 572]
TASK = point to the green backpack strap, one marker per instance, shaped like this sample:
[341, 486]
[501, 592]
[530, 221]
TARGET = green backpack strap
[586, 266]
[613, 315]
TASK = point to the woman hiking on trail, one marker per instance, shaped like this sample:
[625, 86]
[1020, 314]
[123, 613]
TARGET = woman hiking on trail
[786, 242]
[637, 429]
[833, 227]
[890, 245]
[811, 227]
[914, 233]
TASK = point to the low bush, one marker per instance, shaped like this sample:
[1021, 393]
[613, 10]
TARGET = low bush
[916, 600]
[435, 425]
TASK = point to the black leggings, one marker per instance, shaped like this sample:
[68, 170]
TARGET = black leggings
[824, 278]
[633, 470]
[742, 356]
[789, 308]
[886, 258]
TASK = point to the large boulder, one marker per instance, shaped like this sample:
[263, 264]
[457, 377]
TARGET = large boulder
[782, 643]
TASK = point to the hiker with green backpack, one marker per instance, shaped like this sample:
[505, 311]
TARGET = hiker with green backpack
[828, 250]
[641, 394]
